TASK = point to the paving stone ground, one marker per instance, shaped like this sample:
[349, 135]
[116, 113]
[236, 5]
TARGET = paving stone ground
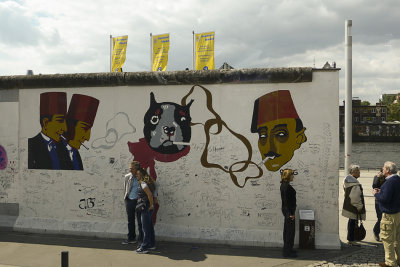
[368, 255]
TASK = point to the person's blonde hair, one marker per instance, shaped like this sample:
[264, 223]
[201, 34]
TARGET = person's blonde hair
[146, 177]
[286, 173]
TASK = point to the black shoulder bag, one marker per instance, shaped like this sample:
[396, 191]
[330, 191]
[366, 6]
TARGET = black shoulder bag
[359, 230]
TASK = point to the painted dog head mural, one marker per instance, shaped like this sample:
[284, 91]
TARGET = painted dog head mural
[167, 126]
[279, 127]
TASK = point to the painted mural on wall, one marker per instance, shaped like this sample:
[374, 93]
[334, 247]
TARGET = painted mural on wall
[204, 145]
[167, 131]
[167, 134]
[3, 158]
[217, 121]
[63, 133]
[279, 128]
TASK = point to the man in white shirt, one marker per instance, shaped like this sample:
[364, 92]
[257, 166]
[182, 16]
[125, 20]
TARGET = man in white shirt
[131, 196]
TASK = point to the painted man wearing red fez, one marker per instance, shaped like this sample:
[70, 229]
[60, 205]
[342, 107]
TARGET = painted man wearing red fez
[279, 128]
[80, 118]
[45, 150]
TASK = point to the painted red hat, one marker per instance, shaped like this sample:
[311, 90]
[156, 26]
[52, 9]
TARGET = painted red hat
[83, 108]
[53, 103]
[273, 106]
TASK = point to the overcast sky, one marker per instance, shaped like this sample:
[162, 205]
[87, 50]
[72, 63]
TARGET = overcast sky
[51, 36]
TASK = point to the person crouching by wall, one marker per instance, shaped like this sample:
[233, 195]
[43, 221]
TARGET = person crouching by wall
[353, 205]
[146, 191]
[288, 195]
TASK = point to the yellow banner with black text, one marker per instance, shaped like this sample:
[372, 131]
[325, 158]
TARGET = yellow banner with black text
[119, 53]
[204, 51]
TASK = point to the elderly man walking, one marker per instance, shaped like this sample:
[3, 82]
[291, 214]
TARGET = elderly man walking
[389, 202]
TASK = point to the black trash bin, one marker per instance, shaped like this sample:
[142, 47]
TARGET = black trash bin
[307, 229]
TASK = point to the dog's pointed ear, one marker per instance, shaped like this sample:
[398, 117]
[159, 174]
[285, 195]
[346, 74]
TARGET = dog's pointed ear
[152, 99]
[187, 107]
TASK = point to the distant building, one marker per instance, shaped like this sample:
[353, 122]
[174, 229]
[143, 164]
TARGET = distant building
[369, 123]
[226, 66]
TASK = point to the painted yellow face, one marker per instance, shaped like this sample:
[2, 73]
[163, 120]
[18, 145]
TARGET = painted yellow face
[82, 134]
[55, 127]
[277, 141]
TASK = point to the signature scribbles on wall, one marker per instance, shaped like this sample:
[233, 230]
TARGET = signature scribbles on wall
[167, 134]
[219, 123]
[56, 146]
[3, 158]
[45, 149]
[115, 130]
[80, 118]
[279, 128]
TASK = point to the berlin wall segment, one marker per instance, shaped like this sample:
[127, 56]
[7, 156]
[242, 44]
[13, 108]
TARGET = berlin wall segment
[215, 141]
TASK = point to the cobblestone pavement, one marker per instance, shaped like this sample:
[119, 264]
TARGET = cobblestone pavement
[367, 255]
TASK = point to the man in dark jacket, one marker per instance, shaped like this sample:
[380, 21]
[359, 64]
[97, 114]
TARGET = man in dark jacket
[378, 181]
[288, 196]
[389, 203]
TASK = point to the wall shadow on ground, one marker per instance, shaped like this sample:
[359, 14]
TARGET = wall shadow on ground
[175, 250]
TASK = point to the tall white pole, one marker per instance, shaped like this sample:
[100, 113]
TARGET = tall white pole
[348, 100]
[151, 51]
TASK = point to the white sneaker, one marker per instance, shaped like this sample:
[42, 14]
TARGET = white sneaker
[141, 251]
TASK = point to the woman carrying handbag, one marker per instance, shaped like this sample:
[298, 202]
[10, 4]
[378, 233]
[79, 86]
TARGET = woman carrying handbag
[353, 205]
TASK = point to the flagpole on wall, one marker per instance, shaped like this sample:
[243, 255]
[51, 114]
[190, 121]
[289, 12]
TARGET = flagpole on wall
[193, 52]
[151, 52]
[111, 44]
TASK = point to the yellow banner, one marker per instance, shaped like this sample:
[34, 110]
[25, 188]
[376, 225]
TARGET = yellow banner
[205, 51]
[160, 52]
[119, 53]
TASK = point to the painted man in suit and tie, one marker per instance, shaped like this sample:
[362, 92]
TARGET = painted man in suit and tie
[80, 118]
[45, 150]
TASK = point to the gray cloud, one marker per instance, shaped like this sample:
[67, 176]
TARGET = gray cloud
[74, 36]
[16, 27]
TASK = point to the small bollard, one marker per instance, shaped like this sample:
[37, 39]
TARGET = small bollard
[64, 259]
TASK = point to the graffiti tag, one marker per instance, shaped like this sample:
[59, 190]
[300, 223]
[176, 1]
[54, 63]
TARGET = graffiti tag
[3, 158]
[87, 203]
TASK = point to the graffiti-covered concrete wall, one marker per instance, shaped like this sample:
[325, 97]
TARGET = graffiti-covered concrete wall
[214, 141]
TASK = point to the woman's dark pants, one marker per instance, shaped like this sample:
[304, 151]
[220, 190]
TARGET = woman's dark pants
[288, 235]
[351, 225]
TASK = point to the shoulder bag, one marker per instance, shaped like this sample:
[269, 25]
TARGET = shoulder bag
[359, 230]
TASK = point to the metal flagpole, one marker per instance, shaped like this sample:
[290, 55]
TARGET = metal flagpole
[111, 48]
[151, 52]
[194, 58]
[348, 99]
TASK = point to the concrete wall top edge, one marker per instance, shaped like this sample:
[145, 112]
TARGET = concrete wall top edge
[254, 75]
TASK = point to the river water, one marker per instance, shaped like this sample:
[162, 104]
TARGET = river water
[372, 155]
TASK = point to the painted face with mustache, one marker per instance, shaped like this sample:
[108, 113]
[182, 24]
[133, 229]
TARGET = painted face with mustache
[277, 142]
